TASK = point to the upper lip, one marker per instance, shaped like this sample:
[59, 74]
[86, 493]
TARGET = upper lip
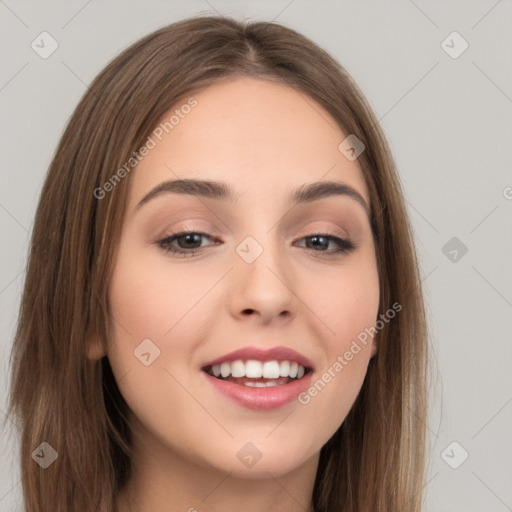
[261, 354]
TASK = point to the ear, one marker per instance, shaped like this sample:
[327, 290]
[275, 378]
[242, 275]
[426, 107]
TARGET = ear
[95, 350]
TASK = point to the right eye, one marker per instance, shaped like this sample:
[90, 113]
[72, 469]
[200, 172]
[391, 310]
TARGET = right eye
[184, 243]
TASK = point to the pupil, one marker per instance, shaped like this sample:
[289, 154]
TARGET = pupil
[189, 238]
[314, 239]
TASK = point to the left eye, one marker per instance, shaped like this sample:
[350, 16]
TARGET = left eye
[189, 243]
[322, 240]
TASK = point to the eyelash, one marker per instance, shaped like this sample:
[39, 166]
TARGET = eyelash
[345, 245]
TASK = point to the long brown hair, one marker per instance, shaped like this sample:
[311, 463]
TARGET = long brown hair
[374, 462]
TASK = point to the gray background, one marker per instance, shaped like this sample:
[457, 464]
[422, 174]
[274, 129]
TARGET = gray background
[449, 124]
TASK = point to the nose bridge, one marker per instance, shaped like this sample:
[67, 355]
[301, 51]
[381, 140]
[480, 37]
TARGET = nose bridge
[262, 275]
[261, 242]
[260, 251]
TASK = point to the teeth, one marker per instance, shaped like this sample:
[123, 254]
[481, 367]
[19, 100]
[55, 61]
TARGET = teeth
[225, 369]
[271, 370]
[267, 384]
[284, 369]
[256, 370]
[253, 369]
[237, 369]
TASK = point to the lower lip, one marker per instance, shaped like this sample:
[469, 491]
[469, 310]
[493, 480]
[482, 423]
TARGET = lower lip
[267, 398]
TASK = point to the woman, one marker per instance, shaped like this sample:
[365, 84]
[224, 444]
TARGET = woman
[276, 363]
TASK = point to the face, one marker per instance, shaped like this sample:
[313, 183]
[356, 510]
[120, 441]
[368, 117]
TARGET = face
[256, 272]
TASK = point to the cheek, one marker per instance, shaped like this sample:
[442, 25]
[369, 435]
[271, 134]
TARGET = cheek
[347, 305]
[152, 300]
[147, 301]
[351, 316]
[346, 299]
[148, 297]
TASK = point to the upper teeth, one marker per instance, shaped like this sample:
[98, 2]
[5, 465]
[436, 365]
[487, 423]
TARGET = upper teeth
[256, 369]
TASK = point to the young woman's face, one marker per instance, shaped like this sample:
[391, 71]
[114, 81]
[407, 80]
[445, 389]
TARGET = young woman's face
[258, 271]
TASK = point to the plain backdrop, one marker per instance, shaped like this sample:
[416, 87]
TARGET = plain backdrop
[446, 110]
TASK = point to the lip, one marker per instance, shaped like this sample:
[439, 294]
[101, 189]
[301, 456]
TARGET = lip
[260, 398]
[263, 355]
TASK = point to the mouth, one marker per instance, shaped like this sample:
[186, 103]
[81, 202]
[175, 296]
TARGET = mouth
[260, 379]
[258, 374]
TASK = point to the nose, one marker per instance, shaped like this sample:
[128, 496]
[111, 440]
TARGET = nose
[264, 288]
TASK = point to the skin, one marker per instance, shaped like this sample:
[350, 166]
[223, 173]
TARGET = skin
[265, 140]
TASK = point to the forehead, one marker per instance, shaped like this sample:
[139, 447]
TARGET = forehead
[262, 137]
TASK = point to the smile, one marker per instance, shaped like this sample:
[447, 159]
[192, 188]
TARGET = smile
[260, 379]
[254, 373]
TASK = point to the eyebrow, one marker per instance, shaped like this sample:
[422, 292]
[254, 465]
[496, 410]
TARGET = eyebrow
[306, 193]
